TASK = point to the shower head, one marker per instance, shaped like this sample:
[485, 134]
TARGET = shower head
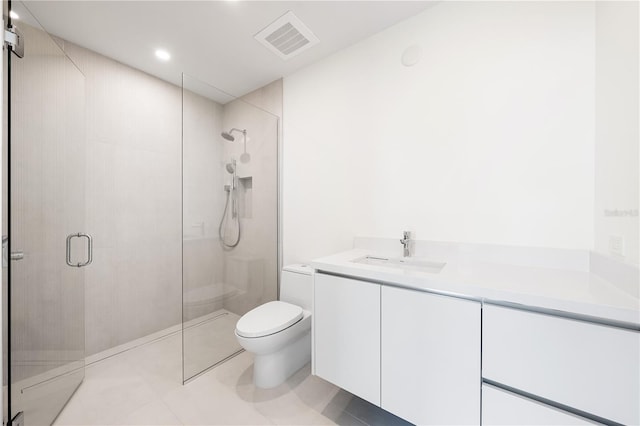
[231, 168]
[228, 136]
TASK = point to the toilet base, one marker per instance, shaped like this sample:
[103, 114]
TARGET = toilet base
[271, 370]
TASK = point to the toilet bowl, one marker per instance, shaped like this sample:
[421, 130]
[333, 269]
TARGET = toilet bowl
[278, 333]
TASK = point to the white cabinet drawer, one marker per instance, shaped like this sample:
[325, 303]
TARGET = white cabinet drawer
[500, 407]
[346, 331]
[586, 366]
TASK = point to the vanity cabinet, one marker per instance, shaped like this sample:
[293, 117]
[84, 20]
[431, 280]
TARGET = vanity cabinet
[587, 367]
[435, 359]
[415, 354]
[346, 333]
[430, 357]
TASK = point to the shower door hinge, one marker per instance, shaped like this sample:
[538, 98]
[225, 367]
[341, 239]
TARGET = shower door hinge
[18, 419]
[15, 40]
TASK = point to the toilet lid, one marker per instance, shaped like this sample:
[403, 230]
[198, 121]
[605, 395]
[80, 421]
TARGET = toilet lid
[268, 319]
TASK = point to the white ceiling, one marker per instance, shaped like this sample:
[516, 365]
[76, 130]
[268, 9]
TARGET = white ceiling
[212, 40]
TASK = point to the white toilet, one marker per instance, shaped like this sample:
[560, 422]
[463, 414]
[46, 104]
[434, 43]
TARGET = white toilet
[279, 333]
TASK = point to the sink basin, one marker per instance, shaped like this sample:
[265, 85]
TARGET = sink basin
[402, 263]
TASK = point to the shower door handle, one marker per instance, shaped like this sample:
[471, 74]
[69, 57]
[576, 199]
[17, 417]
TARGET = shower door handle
[16, 255]
[6, 256]
[89, 249]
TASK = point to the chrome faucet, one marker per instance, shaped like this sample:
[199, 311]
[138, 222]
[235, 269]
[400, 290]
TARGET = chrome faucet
[405, 241]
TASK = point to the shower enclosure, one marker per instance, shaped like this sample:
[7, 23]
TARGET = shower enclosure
[99, 153]
[45, 228]
[230, 216]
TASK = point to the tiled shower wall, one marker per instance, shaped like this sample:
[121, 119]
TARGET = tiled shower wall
[203, 200]
[134, 198]
[240, 278]
[227, 281]
[133, 209]
[133, 128]
[253, 265]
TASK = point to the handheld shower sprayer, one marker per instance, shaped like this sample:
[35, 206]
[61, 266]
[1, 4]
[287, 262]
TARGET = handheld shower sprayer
[231, 168]
[235, 217]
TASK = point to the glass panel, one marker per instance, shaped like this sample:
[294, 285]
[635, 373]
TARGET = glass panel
[230, 219]
[47, 196]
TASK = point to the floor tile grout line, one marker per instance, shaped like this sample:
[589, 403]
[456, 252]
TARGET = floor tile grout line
[180, 422]
[121, 419]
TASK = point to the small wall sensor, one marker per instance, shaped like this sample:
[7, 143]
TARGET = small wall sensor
[411, 55]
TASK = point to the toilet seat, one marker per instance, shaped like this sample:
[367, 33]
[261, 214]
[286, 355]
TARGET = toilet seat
[269, 318]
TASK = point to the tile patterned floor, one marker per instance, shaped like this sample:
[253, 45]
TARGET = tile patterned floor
[143, 387]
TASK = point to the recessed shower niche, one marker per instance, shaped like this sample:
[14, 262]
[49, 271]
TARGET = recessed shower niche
[245, 196]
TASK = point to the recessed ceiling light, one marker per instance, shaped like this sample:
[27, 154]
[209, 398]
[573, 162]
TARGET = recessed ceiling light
[14, 15]
[163, 55]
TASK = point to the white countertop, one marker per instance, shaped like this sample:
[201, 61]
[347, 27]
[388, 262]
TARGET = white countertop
[570, 291]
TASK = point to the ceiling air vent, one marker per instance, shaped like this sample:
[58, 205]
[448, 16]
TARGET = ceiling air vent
[287, 36]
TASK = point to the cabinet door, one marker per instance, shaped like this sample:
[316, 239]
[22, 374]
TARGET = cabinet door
[346, 316]
[500, 407]
[430, 357]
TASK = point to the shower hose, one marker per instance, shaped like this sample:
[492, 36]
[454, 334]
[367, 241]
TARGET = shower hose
[234, 212]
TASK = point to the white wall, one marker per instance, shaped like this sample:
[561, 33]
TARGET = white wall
[488, 139]
[616, 166]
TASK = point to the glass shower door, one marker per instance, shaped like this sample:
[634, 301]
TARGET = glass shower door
[230, 217]
[47, 219]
